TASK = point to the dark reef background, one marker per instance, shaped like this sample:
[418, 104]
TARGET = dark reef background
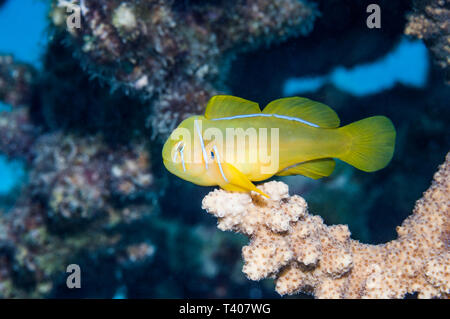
[89, 123]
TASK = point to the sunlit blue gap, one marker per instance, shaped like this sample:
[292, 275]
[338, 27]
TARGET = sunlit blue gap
[22, 34]
[22, 25]
[11, 174]
[406, 64]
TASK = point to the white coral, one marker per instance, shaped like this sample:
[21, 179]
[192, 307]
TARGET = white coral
[302, 253]
[124, 17]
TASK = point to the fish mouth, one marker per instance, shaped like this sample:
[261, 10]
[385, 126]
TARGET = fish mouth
[170, 166]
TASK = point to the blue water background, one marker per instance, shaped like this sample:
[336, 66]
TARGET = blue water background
[22, 29]
[406, 64]
[23, 26]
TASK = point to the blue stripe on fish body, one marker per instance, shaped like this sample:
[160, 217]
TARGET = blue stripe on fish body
[218, 162]
[202, 144]
[284, 117]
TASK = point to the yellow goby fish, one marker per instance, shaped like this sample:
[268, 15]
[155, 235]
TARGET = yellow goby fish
[236, 143]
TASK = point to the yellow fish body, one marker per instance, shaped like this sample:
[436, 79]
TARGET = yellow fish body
[236, 143]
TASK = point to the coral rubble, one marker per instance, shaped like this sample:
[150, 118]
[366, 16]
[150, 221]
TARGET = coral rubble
[304, 254]
[171, 51]
[430, 22]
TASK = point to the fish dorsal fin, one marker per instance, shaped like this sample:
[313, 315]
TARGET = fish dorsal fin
[222, 106]
[314, 169]
[304, 109]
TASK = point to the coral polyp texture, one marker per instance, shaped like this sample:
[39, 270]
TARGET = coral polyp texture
[305, 255]
[82, 177]
[430, 22]
[17, 132]
[172, 51]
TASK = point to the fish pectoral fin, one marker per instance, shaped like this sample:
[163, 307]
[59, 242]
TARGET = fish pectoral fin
[220, 106]
[233, 188]
[314, 169]
[305, 109]
[236, 181]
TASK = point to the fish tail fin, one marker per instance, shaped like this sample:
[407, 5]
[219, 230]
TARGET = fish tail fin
[372, 143]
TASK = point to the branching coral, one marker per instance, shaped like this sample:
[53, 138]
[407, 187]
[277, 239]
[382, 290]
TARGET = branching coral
[430, 21]
[304, 254]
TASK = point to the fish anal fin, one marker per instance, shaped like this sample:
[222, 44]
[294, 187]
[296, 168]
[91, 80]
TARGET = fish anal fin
[305, 109]
[220, 106]
[314, 169]
[236, 181]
